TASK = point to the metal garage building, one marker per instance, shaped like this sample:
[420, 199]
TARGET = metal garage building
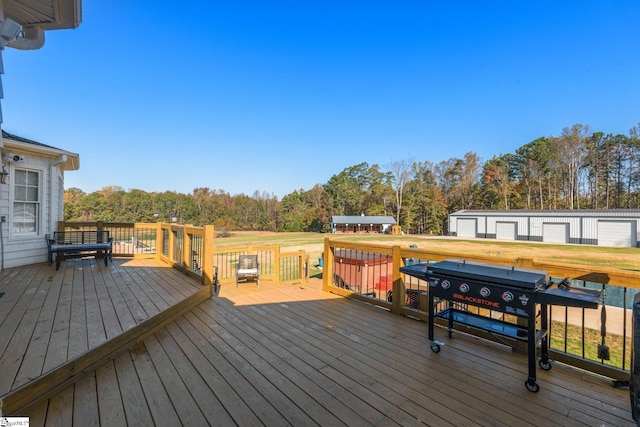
[604, 227]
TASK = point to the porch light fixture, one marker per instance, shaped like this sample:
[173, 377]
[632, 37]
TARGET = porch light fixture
[174, 218]
[9, 30]
[3, 175]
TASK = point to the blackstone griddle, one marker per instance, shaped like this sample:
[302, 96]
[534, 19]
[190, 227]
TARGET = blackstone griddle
[511, 290]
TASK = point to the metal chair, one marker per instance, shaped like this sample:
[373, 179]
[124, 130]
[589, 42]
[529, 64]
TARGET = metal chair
[248, 268]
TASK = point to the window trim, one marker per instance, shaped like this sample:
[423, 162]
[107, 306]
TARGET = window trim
[39, 203]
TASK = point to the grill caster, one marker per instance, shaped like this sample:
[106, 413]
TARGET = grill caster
[532, 386]
[435, 345]
[544, 364]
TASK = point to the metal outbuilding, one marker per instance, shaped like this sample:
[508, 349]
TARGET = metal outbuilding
[604, 227]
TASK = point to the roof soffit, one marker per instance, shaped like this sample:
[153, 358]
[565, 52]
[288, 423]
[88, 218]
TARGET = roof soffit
[22, 145]
[48, 14]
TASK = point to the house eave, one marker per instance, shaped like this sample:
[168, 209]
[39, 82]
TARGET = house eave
[68, 161]
[28, 20]
[47, 14]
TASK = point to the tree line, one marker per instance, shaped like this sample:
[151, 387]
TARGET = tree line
[578, 169]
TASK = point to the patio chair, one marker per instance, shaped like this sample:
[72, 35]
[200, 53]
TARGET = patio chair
[248, 268]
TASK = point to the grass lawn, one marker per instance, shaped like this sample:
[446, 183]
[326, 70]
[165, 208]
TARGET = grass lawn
[313, 243]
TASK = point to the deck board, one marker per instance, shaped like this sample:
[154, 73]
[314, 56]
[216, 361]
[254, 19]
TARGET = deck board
[85, 402]
[135, 406]
[160, 406]
[78, 336]
[289, 354]
[111, 407]
[60, 409]
[57, 350]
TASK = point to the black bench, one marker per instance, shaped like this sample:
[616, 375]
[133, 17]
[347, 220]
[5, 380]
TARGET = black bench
[75, 242]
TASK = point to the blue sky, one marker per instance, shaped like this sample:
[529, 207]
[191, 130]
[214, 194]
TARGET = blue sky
[279, 96]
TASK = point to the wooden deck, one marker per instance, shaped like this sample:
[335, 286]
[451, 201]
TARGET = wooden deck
[283, 354]
[54, 325]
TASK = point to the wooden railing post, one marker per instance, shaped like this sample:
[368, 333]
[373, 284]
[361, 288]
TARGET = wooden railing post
[398, 299]
[525, 263]
[159, 248]
[327, 268]
[304, 267]
[172, 247]
[187, 251]
[207, 255]
[276, 264]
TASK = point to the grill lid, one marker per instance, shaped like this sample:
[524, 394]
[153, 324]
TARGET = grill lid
[489, 273]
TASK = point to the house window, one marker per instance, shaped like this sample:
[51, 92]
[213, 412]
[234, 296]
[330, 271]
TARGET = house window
[26, 201]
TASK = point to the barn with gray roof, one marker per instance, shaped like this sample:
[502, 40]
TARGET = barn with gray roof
[361, 224]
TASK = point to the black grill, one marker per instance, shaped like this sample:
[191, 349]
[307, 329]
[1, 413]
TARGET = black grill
[510, 290]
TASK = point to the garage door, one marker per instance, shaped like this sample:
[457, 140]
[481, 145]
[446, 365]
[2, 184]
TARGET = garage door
[617, 233]
[466, 227]
[555, 233]
[506, 230]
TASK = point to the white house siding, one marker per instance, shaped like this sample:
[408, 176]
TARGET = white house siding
[4, 211]
[581, 226]
[28, 249]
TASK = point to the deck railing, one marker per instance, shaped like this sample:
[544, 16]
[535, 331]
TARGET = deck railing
[190, 249]
[128, 239]
[274, 265]
[371, 273]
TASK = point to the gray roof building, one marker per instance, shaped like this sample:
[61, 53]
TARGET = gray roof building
[604, 227]
[361, 223]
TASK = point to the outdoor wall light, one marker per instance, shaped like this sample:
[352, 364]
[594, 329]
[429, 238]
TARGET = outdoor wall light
[156, 215]
[10, 29]
[3, 175]
[174, 217]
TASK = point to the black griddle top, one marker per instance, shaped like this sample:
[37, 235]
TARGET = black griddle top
[488, 273]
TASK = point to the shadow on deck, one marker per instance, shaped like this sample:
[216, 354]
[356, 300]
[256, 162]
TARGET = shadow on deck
[290, 354]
